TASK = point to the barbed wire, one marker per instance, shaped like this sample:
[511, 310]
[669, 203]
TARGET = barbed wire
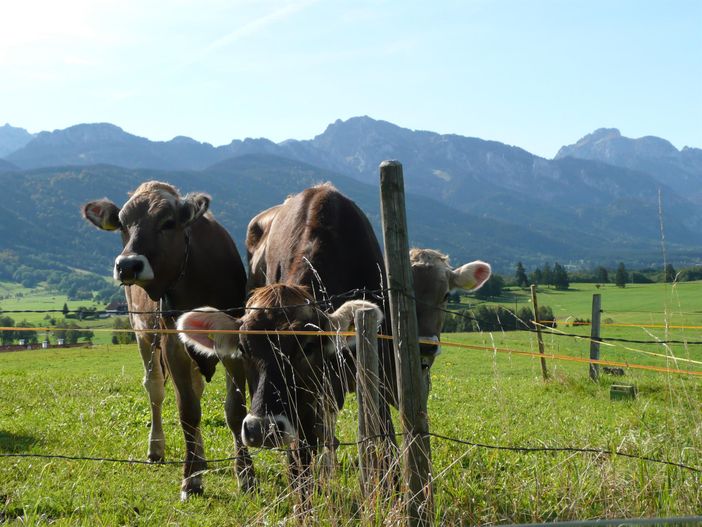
[523, 449]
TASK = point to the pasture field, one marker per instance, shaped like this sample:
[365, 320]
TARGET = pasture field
[679, 304]
[14, 297]
[89, 402]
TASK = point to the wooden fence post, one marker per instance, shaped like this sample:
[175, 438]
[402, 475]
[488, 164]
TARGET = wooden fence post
[416, 452]
[368, 395]
[595, 336]
[539, 337]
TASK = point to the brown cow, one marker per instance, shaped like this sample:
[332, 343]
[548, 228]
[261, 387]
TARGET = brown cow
[319, 240]
[434, 279]
[173, 247]
[318, 245]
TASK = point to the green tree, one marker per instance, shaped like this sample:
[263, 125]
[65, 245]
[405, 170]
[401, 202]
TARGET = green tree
[27, 334]
[669, 273]
[537, 277]
[520, 276]
[622, 276]
[6, 337]
[492, 288]
[601, 275]
[547, 274]
[560, 277]
[65, 309]
[122, 337]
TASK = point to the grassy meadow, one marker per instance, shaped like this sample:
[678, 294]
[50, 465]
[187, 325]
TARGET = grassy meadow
[89, 402]
[15, 298]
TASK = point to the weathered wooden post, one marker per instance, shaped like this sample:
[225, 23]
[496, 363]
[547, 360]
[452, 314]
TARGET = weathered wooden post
[416, 454]
[368, 395]
[539, 337]
[595, 336]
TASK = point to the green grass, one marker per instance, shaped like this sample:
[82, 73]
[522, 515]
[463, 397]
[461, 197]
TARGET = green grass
[635, 303]
[90, 402]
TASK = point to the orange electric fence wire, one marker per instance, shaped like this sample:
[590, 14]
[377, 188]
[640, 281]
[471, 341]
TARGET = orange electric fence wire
[551, 356]
[572, 359]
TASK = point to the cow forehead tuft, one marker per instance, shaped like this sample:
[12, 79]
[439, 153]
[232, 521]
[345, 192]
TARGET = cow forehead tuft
[265, 303]
[279, 295]
[156, 186]
[153, 196]
[429, 257]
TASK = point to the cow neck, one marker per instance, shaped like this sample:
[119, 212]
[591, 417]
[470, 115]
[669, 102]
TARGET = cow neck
[165, 302]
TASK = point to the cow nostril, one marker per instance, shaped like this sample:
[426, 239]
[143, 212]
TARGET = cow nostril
[129, 264]
[251, 432]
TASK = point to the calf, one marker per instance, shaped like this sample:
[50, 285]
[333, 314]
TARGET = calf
[175, 255]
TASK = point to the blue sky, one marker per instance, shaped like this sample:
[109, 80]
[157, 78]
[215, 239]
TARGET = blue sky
[536, 74]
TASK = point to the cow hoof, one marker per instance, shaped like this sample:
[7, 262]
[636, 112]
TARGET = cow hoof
[155, 458]
[247, 483]
[185, 495]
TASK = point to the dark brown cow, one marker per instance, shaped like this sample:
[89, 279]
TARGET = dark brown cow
[320, 240]
[319, 245]
[432, 274]
[172, 250]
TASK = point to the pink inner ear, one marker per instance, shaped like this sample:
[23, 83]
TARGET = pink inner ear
[482, 273]
[195, 322]
[95, 210]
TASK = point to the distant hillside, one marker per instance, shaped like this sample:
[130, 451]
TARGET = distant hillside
[598, 200]
[40, 220]
[12, 138]
[104, 143]
[6, 166]
[504, 182]
[680, 170]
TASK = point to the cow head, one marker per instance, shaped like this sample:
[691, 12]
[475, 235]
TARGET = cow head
[292, 376]
[434, 279]
[154, 224]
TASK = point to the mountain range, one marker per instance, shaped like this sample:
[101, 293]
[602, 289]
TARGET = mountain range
[601, 200]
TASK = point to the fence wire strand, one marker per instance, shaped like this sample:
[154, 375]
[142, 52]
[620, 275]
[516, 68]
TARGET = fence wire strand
[519, 449]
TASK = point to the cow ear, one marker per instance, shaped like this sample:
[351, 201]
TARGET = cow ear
[470, 276]
[193, 206]
[342, 318]
[199, 329]
[103, 214]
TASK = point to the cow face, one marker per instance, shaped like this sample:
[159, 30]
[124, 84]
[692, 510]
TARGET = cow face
[293, 377]
[434, 279]
[153, 225]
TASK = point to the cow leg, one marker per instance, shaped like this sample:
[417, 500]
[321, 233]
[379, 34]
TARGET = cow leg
[189, 386]
[154, 382]
[235, 412]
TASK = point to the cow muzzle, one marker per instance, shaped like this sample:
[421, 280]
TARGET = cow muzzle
[268, 431]
[427, 349]
[132, 269]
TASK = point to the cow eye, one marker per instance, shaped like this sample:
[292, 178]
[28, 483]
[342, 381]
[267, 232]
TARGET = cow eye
[310, 348]
[168, 225]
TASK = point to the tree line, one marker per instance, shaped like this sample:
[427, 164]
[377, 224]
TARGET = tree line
[497, 318]
[70, 332]
[559, 278]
